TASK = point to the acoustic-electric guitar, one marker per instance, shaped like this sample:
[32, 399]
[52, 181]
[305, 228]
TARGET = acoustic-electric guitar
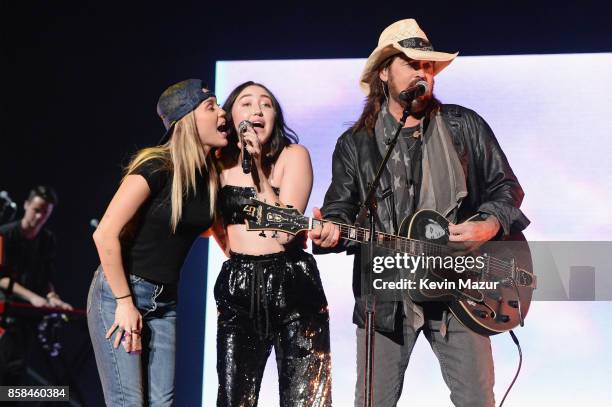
[489, 297]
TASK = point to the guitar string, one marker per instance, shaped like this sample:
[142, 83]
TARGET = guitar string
[390, 241]
[405, 242]
[394, 242]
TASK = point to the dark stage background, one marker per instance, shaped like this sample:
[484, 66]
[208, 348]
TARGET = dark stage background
[81, 80]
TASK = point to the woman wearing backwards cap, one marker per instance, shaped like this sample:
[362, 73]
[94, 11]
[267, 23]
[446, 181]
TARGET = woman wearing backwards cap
[269, 293]
[165, 200]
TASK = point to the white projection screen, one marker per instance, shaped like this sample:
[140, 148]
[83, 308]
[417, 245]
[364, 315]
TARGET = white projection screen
[552, 115]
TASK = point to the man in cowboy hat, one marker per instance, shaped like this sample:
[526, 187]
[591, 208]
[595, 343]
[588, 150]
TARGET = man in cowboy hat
[446, 159]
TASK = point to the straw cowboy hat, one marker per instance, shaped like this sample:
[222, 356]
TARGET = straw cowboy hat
[404, 36]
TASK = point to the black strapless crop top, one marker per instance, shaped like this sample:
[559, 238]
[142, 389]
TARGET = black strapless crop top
[231, 201]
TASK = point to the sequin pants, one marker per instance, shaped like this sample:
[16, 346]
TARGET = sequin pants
[272, 300]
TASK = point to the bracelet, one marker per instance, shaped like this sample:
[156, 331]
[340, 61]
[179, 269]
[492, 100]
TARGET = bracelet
[125, 296]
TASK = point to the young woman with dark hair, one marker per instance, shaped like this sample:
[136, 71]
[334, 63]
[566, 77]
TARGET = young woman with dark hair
[269, 292]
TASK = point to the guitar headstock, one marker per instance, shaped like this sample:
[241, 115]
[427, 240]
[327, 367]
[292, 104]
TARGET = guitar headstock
[263, 216]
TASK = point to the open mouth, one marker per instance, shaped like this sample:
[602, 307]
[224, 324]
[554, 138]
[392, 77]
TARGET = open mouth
[222, 128]
[258, 124]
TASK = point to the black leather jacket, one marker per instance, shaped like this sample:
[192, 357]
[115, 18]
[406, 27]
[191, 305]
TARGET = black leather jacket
[492, 189]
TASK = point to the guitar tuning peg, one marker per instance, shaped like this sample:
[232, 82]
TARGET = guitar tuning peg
[275, 234]
[262, 234]
[276, 204]
[289, 206]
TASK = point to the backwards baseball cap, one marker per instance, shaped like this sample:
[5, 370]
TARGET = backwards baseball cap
[178, 100]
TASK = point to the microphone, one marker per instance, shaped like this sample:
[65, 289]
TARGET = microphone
[7, 199]
[8, 208]
[246, 156]
[418, 89]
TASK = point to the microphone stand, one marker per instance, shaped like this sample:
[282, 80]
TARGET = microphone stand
[368, 209]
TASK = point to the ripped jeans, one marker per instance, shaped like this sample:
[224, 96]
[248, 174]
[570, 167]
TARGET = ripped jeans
[131, 379]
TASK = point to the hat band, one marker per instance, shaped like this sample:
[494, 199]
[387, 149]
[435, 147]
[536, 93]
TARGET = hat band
[416, 43]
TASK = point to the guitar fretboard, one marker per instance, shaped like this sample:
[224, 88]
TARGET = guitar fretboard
[269, 217]
[412, 247]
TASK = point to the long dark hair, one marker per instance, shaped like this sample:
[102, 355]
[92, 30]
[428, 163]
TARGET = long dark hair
[374, 100]
[282, 135]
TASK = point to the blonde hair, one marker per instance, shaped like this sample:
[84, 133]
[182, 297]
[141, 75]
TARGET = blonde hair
[184, 155]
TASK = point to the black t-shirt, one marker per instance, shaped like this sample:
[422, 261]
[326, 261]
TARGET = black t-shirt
[150, 249]
[31, 262]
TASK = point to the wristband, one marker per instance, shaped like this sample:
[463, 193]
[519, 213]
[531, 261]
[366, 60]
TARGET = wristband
[124, 296]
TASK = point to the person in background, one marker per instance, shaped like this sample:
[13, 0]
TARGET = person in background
[26, 275]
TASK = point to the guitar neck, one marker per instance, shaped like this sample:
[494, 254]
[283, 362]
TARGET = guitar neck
[401, 244]
[264, 216]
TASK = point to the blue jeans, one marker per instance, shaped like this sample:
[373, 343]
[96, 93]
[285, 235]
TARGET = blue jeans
[131, 379]
[465, 359]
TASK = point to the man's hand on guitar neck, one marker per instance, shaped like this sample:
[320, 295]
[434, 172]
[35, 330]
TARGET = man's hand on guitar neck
[471, 235]
[326, 236]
